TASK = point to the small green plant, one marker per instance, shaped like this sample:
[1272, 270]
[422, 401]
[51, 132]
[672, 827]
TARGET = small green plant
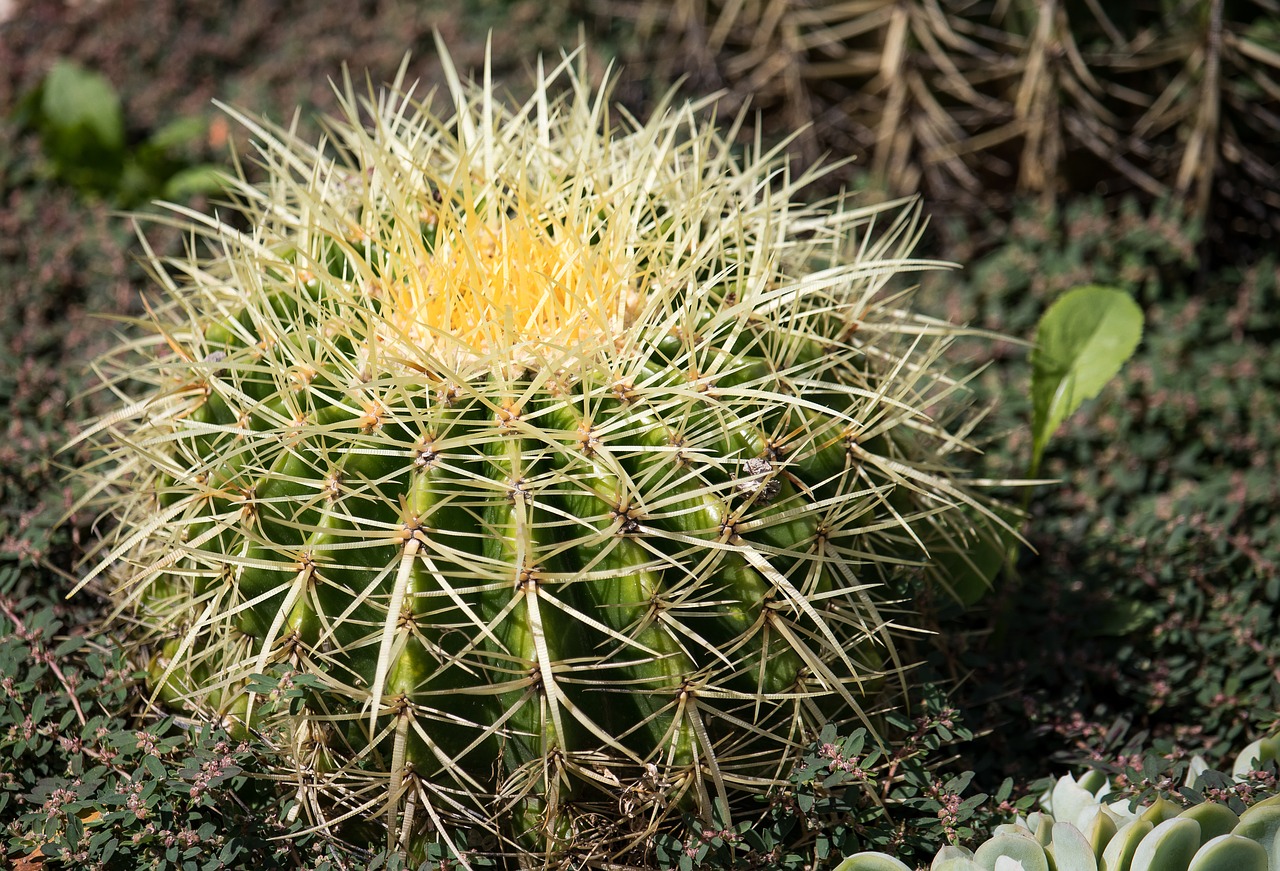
[1082, 341]
[82, 130]
[92, 777]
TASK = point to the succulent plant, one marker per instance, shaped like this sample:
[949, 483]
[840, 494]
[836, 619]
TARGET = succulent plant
[1079, 830]
[566, 461]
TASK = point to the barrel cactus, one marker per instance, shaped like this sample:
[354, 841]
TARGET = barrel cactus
[567, 464]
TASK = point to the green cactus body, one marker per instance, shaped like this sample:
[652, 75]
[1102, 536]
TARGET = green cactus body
[568, 460]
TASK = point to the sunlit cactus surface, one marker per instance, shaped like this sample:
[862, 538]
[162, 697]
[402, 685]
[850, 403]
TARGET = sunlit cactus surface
[567, 463]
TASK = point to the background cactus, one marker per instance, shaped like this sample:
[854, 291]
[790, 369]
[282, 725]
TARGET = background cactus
[569, 465]
[973, 103]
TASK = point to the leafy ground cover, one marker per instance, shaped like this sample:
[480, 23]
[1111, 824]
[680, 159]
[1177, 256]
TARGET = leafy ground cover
[1140, 629]
[1155, 567]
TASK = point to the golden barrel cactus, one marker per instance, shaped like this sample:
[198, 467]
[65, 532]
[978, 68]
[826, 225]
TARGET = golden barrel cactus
[565, 460]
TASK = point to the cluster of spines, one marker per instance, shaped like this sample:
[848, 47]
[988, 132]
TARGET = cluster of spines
[740, 456]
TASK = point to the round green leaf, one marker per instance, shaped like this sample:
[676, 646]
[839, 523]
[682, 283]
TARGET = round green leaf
[194, 180]
[78, 102]
[1016, 848]
[1261, 823]
[1118, 855]
[1230, 853]
[871, 862]
[1169, 847]
[1214, 819]
[1082, 341]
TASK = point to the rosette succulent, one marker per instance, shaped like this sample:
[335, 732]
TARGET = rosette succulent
[1079, 829]
[570, 468]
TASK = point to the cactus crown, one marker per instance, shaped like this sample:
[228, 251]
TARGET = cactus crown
[567, 457]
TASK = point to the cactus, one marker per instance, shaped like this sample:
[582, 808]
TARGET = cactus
[1089, 834]
[567, 465]
[972, 101]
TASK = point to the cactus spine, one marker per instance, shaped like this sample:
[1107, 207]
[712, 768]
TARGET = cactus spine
[566, 458]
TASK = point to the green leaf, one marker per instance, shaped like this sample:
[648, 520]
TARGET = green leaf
[957, 864]
[1119, 618]
[1071, 850]
[1082, 341]
[155, 768]
[1169, 847]
[1098, 831]
[1019, 848]
[871, 862]
[1229, 853]
[969, 568]
[81, 128]
[1214, 819]
[1261, 823]
[178, 133]
[202, 179]
[77, 101]
[1256, 755]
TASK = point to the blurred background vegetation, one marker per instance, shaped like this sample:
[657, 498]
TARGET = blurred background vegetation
[1055, 143]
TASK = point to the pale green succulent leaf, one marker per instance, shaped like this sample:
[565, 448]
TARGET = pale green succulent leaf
[949, 853]
[1269, 801]
[956, 864]
[1042, 824]
[1019, 826]
[872, 862]
[1098, 828]
[1261, 823]
[1214, 819]
[1008, 863]
[1230, 853]
[1255, 755]
[1094, 782]
[1118, 856]
[1070, 850]
[1069, 799]
[1161, 810]
[1170, 846]
[1013, 851]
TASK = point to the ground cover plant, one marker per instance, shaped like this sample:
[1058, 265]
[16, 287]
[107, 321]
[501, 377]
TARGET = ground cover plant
[85, 782]
[1163, 537]
[1145, 615]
